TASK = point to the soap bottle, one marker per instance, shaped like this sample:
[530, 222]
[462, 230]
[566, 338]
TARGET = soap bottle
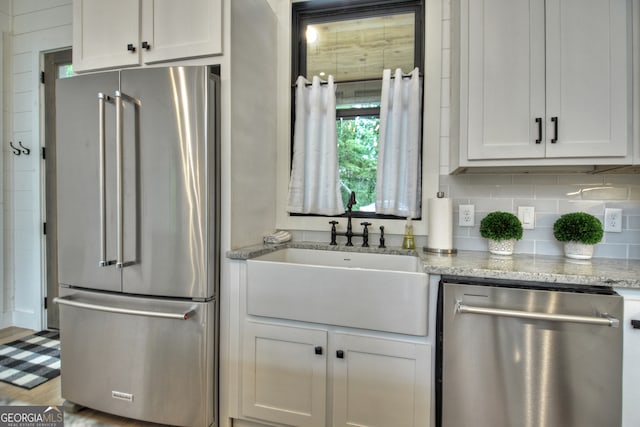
[408, 241]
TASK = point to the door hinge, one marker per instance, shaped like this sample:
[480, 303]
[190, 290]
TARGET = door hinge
[42, 77]
[44, 228]
[45, 303]
[44, 153]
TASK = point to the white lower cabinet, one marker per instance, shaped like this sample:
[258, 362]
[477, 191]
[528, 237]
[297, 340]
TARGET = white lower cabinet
[380, 382]
[284, 374]
[292, 373]
[630, 352]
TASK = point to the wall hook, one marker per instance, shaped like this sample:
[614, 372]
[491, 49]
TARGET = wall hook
[16, 151]
[25, 150]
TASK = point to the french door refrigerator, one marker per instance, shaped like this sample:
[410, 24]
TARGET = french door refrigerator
[138, 242]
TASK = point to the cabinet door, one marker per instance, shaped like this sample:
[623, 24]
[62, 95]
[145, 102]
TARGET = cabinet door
[588, 71]
[284, 374]
[380, 382]
[181, 29]
[502, 57]
[102, 30]
[630, 367]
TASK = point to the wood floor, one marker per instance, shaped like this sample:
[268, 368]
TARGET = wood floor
[49, 392]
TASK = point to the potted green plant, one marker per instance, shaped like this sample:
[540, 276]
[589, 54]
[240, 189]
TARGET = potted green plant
[579, 231]
[502, 229]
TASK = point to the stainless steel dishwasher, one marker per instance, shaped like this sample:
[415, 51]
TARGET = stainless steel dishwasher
[526, 354]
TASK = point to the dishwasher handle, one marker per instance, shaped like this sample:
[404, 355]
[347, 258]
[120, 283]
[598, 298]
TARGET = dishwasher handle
[604, 320]
[109, 309]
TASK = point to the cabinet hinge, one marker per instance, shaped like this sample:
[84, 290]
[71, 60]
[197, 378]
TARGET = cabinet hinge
[44, 153]
[42, 77]
[44, 228]
[45, 303]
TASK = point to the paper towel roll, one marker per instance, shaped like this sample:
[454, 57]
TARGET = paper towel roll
[440, 226]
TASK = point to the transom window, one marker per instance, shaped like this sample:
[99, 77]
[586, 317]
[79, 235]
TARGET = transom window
[354, 42]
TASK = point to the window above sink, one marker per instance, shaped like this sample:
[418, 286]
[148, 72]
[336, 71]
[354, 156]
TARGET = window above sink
[430, 17]
[354, 43]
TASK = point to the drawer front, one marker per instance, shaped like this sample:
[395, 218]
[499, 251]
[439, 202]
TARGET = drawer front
[142, 367]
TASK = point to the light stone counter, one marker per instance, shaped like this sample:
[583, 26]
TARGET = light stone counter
[539, 268]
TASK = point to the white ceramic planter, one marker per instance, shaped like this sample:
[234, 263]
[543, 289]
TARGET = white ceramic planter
[501, 247]
[578, 250]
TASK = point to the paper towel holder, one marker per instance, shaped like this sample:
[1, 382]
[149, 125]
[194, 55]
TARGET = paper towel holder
[446, 252]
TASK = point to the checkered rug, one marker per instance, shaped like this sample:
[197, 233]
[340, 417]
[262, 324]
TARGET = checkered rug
[30, 361]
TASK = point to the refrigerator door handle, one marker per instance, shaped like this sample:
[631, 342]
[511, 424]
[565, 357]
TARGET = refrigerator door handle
[119, 189]
[104, 262]
[119, 99]
[185, 315]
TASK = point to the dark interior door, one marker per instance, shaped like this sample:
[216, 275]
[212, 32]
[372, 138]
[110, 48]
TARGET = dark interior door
[56, 65]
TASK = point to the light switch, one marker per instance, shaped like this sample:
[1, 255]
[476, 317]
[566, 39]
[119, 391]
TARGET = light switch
[526, 215]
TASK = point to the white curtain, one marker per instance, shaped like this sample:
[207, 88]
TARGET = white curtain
[398, 184]
[314, 186]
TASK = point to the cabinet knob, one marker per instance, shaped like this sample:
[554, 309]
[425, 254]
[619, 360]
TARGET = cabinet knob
[635, 324]
[340, 354]
[318, 349]
[131, 48]
[146, 45]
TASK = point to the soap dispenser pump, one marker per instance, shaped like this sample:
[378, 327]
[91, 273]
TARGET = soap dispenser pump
[408, 241]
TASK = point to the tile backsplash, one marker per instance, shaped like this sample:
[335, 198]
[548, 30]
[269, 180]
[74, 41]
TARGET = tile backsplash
[551, 196]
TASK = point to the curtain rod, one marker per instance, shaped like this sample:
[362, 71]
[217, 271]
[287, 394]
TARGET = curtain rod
[324, 82]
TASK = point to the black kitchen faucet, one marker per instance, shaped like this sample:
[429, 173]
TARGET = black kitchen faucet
[349, 233]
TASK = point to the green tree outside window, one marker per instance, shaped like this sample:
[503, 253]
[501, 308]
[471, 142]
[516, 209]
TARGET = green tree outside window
[358, 159]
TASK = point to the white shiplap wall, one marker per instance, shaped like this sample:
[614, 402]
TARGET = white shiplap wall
[38, 26]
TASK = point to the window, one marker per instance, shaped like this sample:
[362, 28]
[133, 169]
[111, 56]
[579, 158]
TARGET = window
[65, 71]
[354, 42]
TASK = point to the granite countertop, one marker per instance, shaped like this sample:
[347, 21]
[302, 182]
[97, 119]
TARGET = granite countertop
[540, 268]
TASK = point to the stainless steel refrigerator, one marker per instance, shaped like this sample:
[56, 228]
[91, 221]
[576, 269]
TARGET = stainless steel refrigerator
[138, 242]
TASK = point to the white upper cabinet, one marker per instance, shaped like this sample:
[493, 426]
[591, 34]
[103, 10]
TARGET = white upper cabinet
[636, 85]
[506, 59]
[102, 31]
[588, 78]
[181, 29]
[123, 33]
[543, 82]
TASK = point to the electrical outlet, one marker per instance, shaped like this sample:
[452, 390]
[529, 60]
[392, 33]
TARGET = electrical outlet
[527, 215]
[467, 216]
[613, 220]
